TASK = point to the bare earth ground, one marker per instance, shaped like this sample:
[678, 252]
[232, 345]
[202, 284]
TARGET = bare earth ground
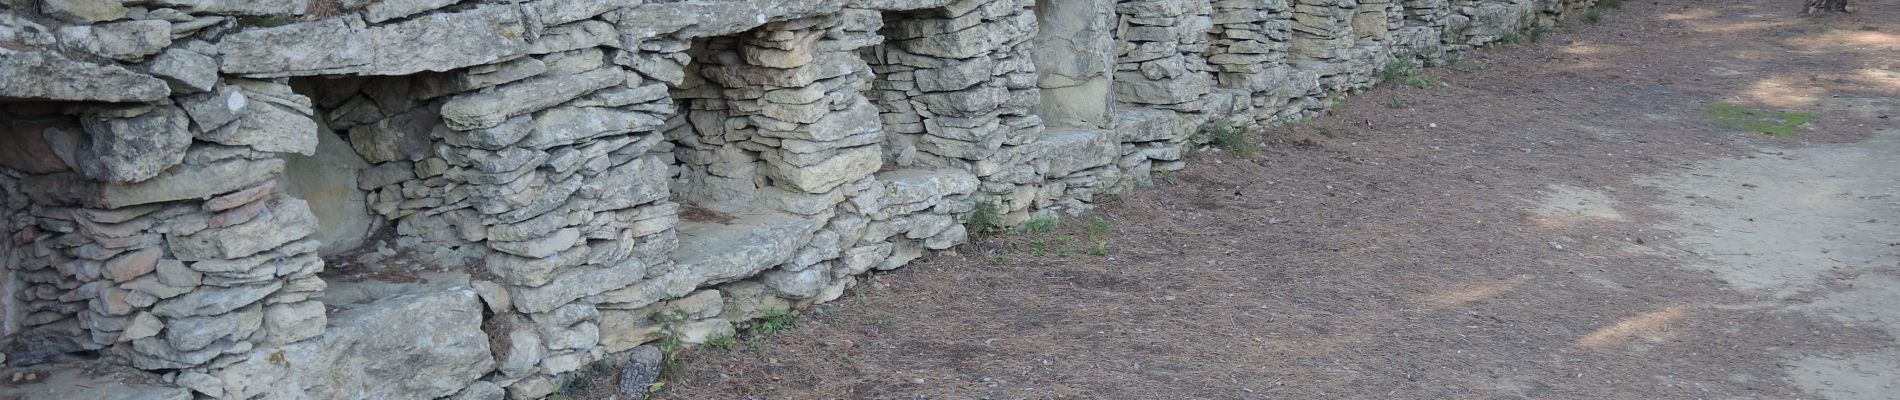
[1562, 219]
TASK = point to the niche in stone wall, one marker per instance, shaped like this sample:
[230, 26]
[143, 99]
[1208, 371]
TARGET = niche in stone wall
[375, 183]
[773, 133]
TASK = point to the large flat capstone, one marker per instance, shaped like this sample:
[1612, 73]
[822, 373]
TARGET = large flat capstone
[423, 343]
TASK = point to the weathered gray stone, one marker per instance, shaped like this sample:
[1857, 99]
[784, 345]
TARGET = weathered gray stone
[23, 76]
[89, 381]
[268, 123]
[187, 71]
[83, 11]
[287, 220]
[238, 7]
[401, 137]
[136, 143]
[124, 40]
[384, 10]
[797, 285]
[640, 372]
[358, 357]
[481, 390]
[578, 35]
[567, 125]
[327, 181]
[845, 166]
[575, 283]
[433, 85]
[488, 109]
[142, 326]
[540, 247]
[211, 300]
[194, 333]
[482, 35]
[1073, 150]
[291, 322]
[128, 266]
[328, 46]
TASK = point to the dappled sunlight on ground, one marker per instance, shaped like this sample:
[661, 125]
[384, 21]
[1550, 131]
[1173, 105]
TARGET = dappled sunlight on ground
[1783, 93]
[1476, 292]
[1653, 325]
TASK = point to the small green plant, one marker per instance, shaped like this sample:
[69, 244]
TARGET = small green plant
[1508, 38]
[1770, 122]
[1225, 136]
[883, 321]
[1593, 16]
[1610, 4]
[1098, 235]
[986, 218]
[1536, 33]
[1421, 81]
[1041, 224]
[670, 342]
[1396, 103]
[1400, 67]
[773, 322]
[582, 379]
[721, 342]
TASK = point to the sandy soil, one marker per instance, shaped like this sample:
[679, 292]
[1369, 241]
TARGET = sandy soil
[1561, 219]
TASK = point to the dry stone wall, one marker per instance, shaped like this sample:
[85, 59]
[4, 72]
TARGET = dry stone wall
[264, 198]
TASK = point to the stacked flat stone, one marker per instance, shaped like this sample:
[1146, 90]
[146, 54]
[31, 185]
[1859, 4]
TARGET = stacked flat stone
[1160, 62]
[1421, 33]
[158, 234]
[543, 152]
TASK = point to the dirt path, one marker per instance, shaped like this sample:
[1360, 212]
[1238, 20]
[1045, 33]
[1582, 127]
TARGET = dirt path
[1563, 219]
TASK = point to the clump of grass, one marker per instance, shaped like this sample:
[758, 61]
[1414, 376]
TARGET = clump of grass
[1536, 33]
[670, 342]
[1225, 136]
[1098, 235]
[581, 380]
[1400, 67]
[1770, 122]
[773, 322]
[1406, 69]
[1593, 16]
[1610, 4]
[986, 218]
[722, 342]
[1509, 38]
[1041, 224]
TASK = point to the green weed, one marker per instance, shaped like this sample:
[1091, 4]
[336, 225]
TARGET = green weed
[1770, 122]
[1509, 38]
[1536, 33]
[1098, 231]
[1041, 224]
[986, 218]
[721, 342]
[1593, 16]
[1225, 136]
[773, 322]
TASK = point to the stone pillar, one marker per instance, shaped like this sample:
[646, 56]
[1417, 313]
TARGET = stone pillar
[966, 71]
[1075, 60]
[1160, 62]
[163, 238]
